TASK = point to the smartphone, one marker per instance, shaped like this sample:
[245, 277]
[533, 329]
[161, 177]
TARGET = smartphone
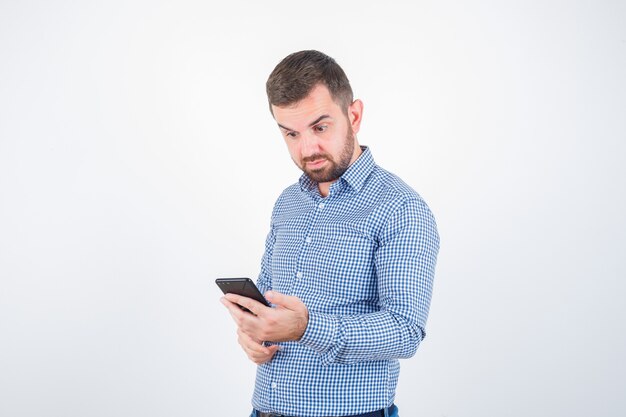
[241, 286]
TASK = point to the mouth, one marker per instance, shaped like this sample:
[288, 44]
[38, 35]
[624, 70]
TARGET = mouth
[316, 163]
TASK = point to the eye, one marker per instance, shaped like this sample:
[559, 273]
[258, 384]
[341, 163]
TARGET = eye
[291, 134]
[320, 128]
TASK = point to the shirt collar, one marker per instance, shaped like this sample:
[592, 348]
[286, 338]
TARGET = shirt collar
[355, 175]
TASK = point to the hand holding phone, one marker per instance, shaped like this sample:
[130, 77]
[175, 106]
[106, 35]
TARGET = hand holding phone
[242, 286]
[287, 322]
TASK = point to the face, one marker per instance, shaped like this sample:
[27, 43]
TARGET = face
[320, 137]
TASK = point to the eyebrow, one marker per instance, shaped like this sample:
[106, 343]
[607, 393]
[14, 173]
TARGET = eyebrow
[313, 123]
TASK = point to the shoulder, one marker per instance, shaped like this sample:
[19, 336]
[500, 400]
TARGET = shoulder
[392, 190]
[397, 204]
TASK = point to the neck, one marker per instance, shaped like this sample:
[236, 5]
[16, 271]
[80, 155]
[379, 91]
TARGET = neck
[324, 188]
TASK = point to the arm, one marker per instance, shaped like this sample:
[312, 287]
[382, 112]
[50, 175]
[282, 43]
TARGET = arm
[405, 264]
[264, 283]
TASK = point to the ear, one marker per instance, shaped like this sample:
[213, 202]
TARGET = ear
[355, 112]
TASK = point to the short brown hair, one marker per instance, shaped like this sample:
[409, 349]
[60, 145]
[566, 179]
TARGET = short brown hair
[297, 74]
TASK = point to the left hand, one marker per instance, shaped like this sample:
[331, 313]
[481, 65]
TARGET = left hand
[256, 351]
[286, 322]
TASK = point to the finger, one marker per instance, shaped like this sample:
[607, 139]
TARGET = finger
[255, 351]
[287, 301]
[243, 320]
[242, 333]
[254, 306]
[251, 345]
[273, 350]
[234, 310]
[263, 358]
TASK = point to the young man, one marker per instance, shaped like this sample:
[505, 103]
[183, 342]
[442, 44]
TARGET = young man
[349, 261]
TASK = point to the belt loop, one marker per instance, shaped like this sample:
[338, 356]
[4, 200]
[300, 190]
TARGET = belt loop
[386, 412]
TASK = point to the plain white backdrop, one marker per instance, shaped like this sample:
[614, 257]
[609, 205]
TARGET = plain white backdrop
[139, 161]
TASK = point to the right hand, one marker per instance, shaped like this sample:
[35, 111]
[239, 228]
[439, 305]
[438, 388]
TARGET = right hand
[255, 350]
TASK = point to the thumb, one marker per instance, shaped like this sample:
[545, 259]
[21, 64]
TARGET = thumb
[274, 348]
[286, 301]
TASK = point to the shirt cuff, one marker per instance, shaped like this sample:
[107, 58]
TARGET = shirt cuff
[321, 332]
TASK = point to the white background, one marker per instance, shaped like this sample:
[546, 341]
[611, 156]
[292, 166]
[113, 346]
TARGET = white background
[139, 161]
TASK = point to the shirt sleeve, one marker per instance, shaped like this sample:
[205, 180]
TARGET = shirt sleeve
[405, 266]
[264, 282]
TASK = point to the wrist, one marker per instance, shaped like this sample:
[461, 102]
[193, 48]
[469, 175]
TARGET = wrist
[302, 325]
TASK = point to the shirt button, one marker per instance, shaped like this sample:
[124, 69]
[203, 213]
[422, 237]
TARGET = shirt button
[299, 275]
[321, 205]
[308, 240]
[274, 385]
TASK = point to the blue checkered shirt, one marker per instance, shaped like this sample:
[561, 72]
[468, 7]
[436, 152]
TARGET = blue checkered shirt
[363, 261]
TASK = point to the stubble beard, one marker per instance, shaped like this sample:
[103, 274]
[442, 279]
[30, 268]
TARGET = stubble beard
[335, 169]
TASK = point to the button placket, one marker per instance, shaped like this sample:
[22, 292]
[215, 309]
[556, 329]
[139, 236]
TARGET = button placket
[308, 239]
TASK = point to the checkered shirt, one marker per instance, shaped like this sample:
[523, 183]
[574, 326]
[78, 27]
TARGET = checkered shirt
[363, 261]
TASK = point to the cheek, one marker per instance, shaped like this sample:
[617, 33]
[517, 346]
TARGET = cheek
[294, 150]
[334, 145]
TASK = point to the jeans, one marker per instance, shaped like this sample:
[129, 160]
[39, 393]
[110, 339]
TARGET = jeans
[392, 413]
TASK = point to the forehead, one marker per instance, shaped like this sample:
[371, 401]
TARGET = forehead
[319, 102]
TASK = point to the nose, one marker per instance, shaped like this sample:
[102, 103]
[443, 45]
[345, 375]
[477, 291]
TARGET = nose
[310, 145]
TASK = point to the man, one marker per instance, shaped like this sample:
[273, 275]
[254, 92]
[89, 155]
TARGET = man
[348, 265]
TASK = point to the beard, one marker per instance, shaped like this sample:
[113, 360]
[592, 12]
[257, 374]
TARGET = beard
[334, 169]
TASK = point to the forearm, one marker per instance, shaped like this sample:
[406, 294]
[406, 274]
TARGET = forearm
[365, 337]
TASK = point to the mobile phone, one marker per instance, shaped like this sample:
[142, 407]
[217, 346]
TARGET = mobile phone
[242, 286]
